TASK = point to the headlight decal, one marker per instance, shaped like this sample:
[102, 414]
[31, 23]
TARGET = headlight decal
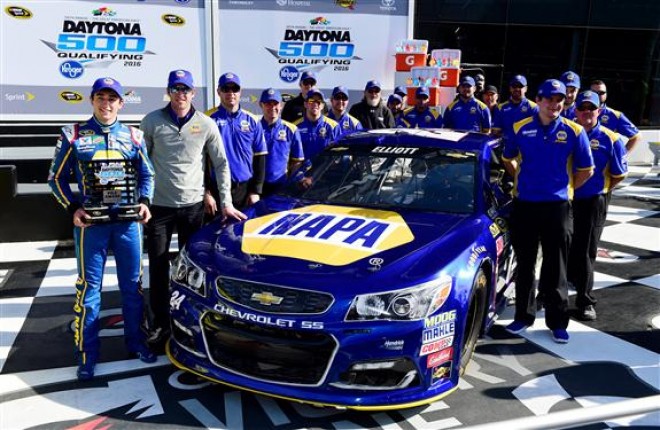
[186, 273]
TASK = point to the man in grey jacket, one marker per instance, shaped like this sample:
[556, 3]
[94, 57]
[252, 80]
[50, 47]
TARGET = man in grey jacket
[178, 138]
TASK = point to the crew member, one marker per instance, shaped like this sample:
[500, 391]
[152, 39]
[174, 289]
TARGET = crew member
[316, 130]
[420, 115]
[395, 105]
[549, 157]
[589, 203]
[339, 112]
[108, 160]
[285, 152]
[490, 97]
[513, 110]
[467, 113]
[613, 119]
[572, 82]
[178, 136]
[294, 109]
[244, 142]
[371, 110]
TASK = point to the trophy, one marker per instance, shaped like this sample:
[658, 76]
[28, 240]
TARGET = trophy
[111, 191]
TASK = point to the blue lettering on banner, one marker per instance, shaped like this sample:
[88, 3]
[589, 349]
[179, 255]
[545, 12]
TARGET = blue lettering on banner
[71, 69]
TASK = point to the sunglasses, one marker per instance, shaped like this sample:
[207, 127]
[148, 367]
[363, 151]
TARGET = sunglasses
[182, 90]
[230, 89]
[600, 93]
[588, 107]
[374, 90]
[315, 101]
[309, 82]
[518, 86]
[341, 98]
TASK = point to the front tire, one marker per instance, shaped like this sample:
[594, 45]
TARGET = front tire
[474, 319]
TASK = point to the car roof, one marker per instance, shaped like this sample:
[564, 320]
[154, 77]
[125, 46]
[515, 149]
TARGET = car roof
[422, 138]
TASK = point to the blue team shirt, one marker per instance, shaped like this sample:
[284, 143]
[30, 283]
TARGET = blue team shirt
[569, 112]
[316, 135]
[347, 123]
[284, 145]
[547, 157]
[617, 122]
[609, 154]
[471, 115]
[243, 138]
[411, 118]
[508, 113]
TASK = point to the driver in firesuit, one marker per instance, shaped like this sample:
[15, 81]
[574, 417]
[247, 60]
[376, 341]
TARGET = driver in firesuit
[112, 169]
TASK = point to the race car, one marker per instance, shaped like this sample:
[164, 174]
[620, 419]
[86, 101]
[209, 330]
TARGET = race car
[365, 284]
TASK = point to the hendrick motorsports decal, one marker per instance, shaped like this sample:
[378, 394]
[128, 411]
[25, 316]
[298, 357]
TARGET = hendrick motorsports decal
[326, 234]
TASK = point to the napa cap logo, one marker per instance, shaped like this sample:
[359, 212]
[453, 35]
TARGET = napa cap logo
[561, 136]
[325, 234]
[174, 20]
[594, 143]
[18, 12]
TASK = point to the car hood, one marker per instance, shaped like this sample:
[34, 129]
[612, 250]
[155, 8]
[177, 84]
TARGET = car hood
[288, 242]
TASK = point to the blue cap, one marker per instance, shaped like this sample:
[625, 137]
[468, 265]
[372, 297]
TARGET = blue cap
[587, 97]
[339, 90]
[401, 91]
[394, 98]
[552, 87]
[570, 79]
[518, 79]
[182, 77]
[422, 91]
[108, 84]
[467, 80]
[314, 92]
[372, 84]
[270, 95]
[308, 74]
[229, 78]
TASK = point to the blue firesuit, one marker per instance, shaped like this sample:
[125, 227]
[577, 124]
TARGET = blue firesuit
[78, 145]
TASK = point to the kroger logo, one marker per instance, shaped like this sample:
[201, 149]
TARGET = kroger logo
[289, 73]
[71, 69]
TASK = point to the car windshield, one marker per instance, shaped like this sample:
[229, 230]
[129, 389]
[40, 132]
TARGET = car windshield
[428, 179]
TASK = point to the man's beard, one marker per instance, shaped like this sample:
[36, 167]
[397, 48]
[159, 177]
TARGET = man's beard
[373, 102]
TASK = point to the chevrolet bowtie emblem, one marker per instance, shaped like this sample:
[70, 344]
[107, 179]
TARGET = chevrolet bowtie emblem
[266, 298]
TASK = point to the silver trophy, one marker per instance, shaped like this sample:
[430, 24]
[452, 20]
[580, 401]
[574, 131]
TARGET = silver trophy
[111, 191]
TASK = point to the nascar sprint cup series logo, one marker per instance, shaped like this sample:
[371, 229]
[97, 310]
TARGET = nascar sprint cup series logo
[317, 43]
[102, 36]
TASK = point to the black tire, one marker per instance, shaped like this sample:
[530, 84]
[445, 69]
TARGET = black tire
[474, 319]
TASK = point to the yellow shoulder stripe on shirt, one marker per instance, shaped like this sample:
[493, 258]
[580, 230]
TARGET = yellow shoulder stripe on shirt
[211, 111]
[518, 125]
[405, 111]
[611, 134]
[354, 121]
[452, 104]
[481, 104]
[531, 103]
[251, 115]
[577, 128]
[298, 121]
[330, 121]
[290, 126]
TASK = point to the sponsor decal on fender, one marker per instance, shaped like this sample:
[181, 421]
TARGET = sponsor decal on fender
[441, 373]
[18, 12]
[172, 19]
[439, 357]
[438, 345]
[326, 234]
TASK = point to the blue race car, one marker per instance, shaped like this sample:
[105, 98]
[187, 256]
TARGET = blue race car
[364, 285]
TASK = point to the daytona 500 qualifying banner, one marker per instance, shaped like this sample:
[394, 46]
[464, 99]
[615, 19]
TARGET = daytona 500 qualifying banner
[269, 43]
[52, 51]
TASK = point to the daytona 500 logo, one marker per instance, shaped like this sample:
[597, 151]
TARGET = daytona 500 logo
[326, 234]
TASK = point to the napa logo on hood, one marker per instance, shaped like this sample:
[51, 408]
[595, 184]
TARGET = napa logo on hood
[326, 234]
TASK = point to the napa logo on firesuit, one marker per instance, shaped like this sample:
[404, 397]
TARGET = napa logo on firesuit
[326, 234]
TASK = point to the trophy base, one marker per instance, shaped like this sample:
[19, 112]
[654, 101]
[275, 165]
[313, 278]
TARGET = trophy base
[128, 213]
[98, 214]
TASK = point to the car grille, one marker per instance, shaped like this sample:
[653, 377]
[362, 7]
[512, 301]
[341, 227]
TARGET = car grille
[267, 353]
[294, 301]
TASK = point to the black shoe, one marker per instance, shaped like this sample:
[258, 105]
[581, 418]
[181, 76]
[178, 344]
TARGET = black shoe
[158, 339]
[587, 313]
[85, 370]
